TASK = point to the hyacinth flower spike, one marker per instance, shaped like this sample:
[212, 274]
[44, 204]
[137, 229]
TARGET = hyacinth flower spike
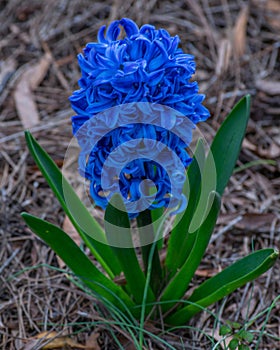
[144, 69]
[144, 66]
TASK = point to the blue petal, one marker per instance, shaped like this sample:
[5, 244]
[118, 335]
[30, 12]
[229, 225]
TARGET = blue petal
[103, 61]
[124, 83]
[101, 36]
[78, 121]
[173, 45]
[85, 65]
[130, 67]
[149, 31]
[159, 58]
[139, 48]
[136, 94]
[99, 106]
[99, 201]
[113, 31]
[130, 27]
[120, 52]
[154, 78]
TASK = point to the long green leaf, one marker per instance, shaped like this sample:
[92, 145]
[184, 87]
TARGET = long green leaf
[225, 282]
[82, 220]
[226, 145]
[78, 262]
[158, 219]
[149, 249]
[204, 178]
[117, 228]
[222, 157]
[179, 240]
[177, 287]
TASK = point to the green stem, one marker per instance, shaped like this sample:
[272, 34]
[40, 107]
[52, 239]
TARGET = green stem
[146, 233]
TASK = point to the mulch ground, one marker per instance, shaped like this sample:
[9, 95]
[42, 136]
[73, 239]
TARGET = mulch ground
[236, 44]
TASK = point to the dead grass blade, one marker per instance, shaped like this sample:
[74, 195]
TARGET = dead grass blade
[23, 96]
[224, 55]
[271, 10]
[92, 343]
[239, 32]
[268, 86]
[53, 342]
[6, 69]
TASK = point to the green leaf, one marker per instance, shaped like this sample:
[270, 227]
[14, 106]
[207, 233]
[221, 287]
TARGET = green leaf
[224, 330]
[179, 284]
[225, 282]
[204, 177]
[246, 335]
[243, 347]
[233, 344]
[158, 219]
[81, 219]
[149, 249]
[180, 242]
[78, 262]
[235, 325]
[226, 145]
[117, 228]
[253, 163]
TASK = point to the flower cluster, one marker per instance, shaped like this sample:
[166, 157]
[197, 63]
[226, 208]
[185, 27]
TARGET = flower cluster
[144, 66]
[118, 153]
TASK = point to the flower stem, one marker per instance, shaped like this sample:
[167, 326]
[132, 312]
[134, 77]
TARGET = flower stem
[146, 233]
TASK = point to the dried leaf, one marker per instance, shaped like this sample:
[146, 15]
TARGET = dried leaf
[1, 324]
[120, 280]
[256, 222]
[272, 152]
[56, 342]
[6, 69]
[251, 303]
[127, 344]
[249, 145]
[223, 343]
[206, 273]
[271, 10]
[274, 7]
[24, 100]
[265, 185]
[30, 345]
[131, 346]
[239, 32]
[91, 343]
[224, 54]
[268, 86]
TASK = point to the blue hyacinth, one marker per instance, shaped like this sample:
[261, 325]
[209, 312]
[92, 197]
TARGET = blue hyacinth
[145, 66]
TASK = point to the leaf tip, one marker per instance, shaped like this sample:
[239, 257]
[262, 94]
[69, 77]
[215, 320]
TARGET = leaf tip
[24, 214]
